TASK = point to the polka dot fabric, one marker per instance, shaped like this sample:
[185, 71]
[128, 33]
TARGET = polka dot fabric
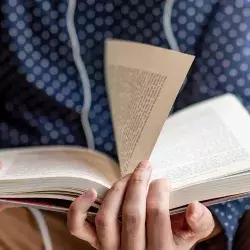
[41, 93]
[222, 65]
[47, 98]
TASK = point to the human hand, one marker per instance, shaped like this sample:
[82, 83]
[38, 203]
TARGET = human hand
[146, 222]
[5, 206]
[2, 207]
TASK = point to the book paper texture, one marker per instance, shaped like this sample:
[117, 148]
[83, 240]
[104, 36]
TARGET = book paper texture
[203, 142]
[142, 82]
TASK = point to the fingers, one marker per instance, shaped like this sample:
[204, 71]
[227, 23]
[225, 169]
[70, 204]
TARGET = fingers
[159, 233]
[145, 216]
[77, 215]
[200, 220]
[198, 224]
[107, 225]
[134, 208]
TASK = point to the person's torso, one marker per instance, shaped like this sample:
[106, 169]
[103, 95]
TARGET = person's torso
[41, 94]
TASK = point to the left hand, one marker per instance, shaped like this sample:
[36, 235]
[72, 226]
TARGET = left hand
[146, 222]
[5, 206]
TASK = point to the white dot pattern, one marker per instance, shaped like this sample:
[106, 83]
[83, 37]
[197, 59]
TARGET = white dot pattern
[222, 52]
[48, 99]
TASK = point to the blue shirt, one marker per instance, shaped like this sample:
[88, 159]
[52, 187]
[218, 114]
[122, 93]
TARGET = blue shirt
[41, 94]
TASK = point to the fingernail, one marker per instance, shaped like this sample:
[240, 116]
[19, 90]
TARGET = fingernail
[198, 211]
[144, 165]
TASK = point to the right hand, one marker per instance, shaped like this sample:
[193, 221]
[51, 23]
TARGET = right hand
[146, 222]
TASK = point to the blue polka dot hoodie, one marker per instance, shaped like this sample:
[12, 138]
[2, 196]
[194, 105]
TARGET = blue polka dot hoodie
[52, 87]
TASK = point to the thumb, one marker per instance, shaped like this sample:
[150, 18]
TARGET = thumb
[200, 220]
[199, 223]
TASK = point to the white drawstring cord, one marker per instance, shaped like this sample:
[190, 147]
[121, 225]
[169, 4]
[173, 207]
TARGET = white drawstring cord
[47, 242]
[84, 114]
[82, 73]
[41, 223]
[167, 26]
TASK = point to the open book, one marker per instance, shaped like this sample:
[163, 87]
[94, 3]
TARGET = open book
[204, 149]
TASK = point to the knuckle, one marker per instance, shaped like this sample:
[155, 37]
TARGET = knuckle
[133, 217]
[156, 211]
[205, 230]
[138, 177]
[163, 184]
[117, 187]
[101, 221]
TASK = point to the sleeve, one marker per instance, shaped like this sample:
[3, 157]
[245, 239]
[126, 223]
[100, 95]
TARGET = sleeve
[228, 214]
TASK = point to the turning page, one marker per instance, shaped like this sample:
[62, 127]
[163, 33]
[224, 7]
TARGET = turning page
[142, 83]
[206, 141]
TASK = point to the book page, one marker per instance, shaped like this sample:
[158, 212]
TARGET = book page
[142, 83]
[57, 161]
[205, 141]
